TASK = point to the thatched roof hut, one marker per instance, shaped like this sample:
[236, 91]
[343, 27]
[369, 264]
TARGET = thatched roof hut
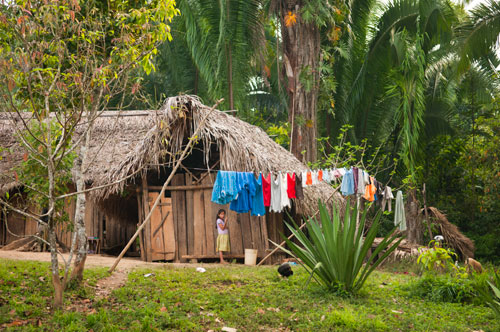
[136, 144]
[128, 141]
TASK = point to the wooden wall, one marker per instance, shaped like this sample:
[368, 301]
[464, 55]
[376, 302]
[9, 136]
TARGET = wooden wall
[13, 225]
[195, 228]
[119, 227]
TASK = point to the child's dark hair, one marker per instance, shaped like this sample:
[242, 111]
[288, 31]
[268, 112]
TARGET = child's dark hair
[220, 210]
[217, 216]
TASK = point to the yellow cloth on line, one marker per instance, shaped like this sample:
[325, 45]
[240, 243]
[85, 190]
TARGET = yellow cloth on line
[223, 242]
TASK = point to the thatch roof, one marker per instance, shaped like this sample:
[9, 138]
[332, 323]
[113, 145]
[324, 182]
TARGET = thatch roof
[136, 141]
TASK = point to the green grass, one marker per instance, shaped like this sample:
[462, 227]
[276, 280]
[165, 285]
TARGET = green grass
[246, 298]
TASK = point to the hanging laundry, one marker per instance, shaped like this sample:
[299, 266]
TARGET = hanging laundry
[347, 186]
[309, 178]
[320, 175]
[299, 192]
[266, 189]
[243, 202]
[399, 212]
[326, 176]
[290, 189]
[387, 198]
[225, 187]
[258, 208]
[275, 193]
[370, 190]
[366, 178]
[285, 201]
[339, 172]
[361, 182]
[304, 178]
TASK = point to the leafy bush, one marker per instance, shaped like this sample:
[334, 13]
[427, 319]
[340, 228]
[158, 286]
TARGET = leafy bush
[333, 252]
[444, 288]
[436, 258]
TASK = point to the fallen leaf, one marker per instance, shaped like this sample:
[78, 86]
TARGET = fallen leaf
[163, 309]
[273, 309]
[228, 329]
[17, 323]
[323, 318]
[12, 312]
[42, 279]
[397, 311]
[261, 311]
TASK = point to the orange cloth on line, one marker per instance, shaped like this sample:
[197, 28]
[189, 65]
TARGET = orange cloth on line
[309, 179]
[320, 175]
[370, 191]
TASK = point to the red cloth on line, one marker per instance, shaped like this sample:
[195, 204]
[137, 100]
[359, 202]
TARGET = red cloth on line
[266, 189]
[290, 180]
[309, 179]
[320, 175]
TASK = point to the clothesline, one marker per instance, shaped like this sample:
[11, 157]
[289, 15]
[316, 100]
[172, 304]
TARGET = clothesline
[245, 193]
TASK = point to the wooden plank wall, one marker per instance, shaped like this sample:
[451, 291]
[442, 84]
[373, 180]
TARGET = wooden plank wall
[17, 225]
[195, 228]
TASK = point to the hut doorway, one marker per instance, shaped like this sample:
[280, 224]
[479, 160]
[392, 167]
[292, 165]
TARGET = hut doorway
[162, 228]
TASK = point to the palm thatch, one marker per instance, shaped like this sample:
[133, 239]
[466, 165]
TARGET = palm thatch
[134, 142]
[452, 235]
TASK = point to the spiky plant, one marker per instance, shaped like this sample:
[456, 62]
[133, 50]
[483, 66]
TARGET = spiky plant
[336, 252]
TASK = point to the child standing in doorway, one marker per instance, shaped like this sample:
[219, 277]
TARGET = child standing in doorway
[223, 237]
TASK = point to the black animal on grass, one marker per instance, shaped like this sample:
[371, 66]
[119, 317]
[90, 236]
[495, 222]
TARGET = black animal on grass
[285, 270]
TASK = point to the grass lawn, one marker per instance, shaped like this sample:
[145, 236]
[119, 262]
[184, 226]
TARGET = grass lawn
[245, 298]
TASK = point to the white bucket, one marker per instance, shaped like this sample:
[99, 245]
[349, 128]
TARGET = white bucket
[250, 256]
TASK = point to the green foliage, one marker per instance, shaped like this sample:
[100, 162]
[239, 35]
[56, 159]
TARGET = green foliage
[333, 251]
[436, 258]
[490, 293]
[35, 173]
[445, 288]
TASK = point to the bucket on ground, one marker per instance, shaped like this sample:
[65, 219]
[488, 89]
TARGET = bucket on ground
[250, 256]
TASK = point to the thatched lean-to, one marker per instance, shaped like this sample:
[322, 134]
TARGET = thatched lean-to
[452, 235]
[141, 147]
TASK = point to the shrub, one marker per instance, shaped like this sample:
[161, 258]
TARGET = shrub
[436, 258]
[333, 252]
[444, 288]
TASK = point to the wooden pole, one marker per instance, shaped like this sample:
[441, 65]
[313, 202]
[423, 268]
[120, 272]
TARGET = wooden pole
[427, 213]
[292, 235]
[162, 192]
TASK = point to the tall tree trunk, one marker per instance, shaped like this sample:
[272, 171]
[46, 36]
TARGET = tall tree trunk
[413, 222]
[79, 221]
[229, 67]
[301, 51]
[56, 281]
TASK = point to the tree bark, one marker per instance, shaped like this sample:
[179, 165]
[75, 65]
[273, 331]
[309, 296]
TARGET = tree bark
[56, 281]
[301, 52]
[79, 221]
[413, 222]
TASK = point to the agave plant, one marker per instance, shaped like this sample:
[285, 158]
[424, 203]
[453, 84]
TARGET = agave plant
[334, 252]
[491, 296]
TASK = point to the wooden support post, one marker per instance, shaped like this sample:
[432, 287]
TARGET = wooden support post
[147, 229]
[141, 217]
